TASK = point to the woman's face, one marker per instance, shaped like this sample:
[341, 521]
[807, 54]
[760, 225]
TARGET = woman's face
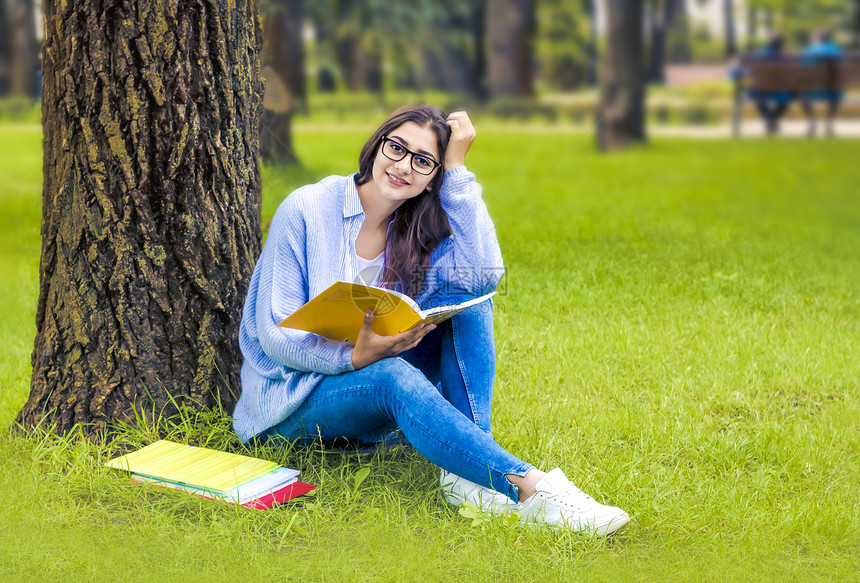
[397, 180]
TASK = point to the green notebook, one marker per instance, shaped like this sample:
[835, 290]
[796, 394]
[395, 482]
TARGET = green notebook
[217, 471]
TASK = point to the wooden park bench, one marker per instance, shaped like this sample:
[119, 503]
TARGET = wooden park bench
[795, 75]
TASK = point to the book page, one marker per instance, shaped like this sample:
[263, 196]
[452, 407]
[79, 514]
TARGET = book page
[453, 309]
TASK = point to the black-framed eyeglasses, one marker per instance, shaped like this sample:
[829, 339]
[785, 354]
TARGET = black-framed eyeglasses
[421, 163]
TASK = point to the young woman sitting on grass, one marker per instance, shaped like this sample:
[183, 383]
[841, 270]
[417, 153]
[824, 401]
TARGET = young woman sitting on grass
[411, 219]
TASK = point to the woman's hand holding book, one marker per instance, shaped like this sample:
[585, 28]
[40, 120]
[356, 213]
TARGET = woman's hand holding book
[372, 347]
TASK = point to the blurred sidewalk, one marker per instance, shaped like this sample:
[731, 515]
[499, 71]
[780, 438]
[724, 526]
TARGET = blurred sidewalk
[755, 129]
[678, 75]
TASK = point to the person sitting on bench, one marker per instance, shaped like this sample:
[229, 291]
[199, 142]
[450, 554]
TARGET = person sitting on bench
[822, 50]
[771, 104]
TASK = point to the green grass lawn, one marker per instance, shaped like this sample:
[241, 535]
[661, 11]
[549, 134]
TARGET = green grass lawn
[679, 329]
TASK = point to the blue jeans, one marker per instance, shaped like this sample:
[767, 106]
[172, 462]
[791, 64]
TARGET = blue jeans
[439, 394]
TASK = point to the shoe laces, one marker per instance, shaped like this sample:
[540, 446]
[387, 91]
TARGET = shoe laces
[572, 498]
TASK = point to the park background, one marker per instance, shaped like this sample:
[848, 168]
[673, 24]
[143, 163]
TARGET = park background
[678, 328]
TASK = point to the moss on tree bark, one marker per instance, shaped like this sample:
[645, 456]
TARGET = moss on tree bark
[151, 207]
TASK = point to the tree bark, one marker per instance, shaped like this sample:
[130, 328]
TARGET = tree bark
[621, 110]
[151, 207]
[22, 48]
[510, 24]
[283, 60]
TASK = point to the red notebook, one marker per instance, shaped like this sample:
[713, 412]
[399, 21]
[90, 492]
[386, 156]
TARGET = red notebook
[288, 492]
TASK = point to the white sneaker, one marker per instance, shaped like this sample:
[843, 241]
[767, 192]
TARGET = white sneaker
[558, 503]
[457, 490]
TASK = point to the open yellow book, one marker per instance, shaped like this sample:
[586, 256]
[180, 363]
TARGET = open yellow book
[338, 312]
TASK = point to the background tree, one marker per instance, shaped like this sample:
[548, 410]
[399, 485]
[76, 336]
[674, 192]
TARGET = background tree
[562, 43]
[4, 51]
[752, 27]
[855, 26]
[451, 56]
[621, 108]
[590, 7]
[338, 26]
[371, 45]
[679, 42]
[509, 28]
[21, 48]
[354, 46]
[662, 19]
[151, 207]
[283, 59]
[797, 20]
[730, 28]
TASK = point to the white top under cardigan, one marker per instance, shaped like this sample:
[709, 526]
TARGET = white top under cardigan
[311, 245]
[369, 270]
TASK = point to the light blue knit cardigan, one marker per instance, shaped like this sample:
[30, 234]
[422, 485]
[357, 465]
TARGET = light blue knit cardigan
[311, 245]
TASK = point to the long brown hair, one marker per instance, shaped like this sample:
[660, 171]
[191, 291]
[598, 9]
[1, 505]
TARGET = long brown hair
[420, 223]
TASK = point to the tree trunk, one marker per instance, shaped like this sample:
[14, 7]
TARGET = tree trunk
[283, 61]
[561, 47]
[510, 24]
[347, 43]
[326, 67]
[591, 46]
[447, 67]
[752, 28]
[348, 55]
[371, 67]
[462, 73]
[621, 111]
[4, 51]
[855, 28]
[429, 59]
[22, 48]
[151, 208]
[729, 21]
[679, 49]
[480, 44]
[768, 20]
[663, 17]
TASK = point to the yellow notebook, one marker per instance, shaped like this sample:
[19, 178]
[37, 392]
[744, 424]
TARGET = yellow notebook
[212, 470]
[338, 312]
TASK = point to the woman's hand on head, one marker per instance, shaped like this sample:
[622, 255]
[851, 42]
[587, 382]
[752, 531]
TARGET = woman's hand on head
[371, 347]
[462, 136]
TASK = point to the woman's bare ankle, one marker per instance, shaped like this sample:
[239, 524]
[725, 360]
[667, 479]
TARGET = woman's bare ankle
[526, 484]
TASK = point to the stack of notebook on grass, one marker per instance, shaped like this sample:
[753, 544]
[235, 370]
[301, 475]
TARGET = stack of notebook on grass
[212, 474]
